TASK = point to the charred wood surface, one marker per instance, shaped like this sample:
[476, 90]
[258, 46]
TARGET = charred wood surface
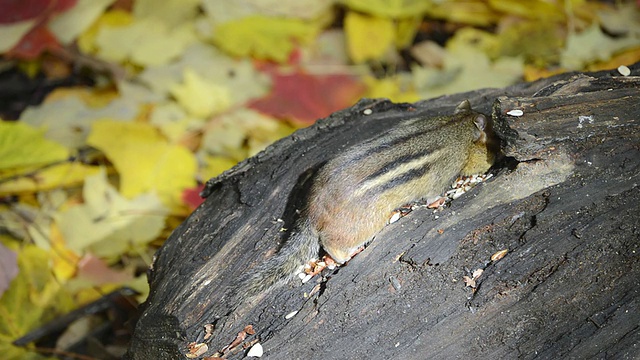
[564, 202]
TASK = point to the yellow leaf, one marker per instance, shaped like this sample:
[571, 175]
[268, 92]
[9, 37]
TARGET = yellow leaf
[58, 176]
[162, 45]
[538, 41]
[406, 31]
[68, 25]
[64, 260]
[223, 11]
[170, 12]
[113, 18]
[33, 298]
[390, 8]
[466, 67]
[368, 37]
[395, 89]
[592, 45]
[239, 76]
[216, 165]
[532, 9]
[475, 12]
[263, 37]
[67, 114]
[146, 41]
[10, 34]
[107, 224]
[199, 97]
[145, 160]
[23, 146]
[241, 133]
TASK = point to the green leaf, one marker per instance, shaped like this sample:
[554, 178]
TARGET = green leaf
[23, 146]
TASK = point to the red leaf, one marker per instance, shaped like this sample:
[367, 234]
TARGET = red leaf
[98, 272]
[38, 40]
[302, 97]
[18, 10]
[192, 198]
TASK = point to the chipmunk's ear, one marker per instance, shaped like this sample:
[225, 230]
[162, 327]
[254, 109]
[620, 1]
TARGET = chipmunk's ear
[481, 122]
[464, 106]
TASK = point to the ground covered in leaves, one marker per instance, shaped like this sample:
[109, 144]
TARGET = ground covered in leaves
[115, 112]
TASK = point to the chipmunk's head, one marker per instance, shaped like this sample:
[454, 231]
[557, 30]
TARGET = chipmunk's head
[485, 147]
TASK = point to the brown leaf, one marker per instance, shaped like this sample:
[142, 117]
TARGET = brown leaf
[499, 255]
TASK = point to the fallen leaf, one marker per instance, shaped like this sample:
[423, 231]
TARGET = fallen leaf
[239, 77]
[368, 37]
[145, 160]
[216, 165]
[469, 281]
[466, 68]
[398, 88]
[592, 45]
[63, 175]
[10, 34]
[146, 41]
[386, 8]
[96, 270]
[499, 255]
[107, 224]
[68, 25]
[33, 298]
[201, 98]
[532, 9]
[236, 135]
[24, 28]
[304, 98]
[224, 11]
[67, 115]
[191, 197]
[23, 146]
[264, 38]
[477, 13]
[171, 12]
[35, 42]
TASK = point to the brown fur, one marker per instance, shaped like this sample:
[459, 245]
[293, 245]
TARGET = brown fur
[354, 194]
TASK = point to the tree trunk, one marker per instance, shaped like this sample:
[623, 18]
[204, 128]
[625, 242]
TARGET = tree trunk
[563, 202]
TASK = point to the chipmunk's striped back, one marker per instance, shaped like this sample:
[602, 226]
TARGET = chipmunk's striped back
[353, 195]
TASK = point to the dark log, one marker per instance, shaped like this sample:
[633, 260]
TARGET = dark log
[563, 202]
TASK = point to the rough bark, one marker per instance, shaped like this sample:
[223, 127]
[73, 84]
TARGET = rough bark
[564, 203]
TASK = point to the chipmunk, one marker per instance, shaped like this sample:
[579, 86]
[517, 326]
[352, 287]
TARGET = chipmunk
[354, 194]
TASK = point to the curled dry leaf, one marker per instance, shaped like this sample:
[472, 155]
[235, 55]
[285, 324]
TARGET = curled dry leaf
[476, 274]
[249, 329]
[499, 255]
[195, 350]
[239, 339]
[438, 203]
[314, 290]
[208, 329]
[469, 281]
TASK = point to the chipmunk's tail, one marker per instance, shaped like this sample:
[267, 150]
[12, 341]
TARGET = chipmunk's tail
[301, 247]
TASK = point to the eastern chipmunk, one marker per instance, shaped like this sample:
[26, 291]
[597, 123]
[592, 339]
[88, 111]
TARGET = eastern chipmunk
[354, 194]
